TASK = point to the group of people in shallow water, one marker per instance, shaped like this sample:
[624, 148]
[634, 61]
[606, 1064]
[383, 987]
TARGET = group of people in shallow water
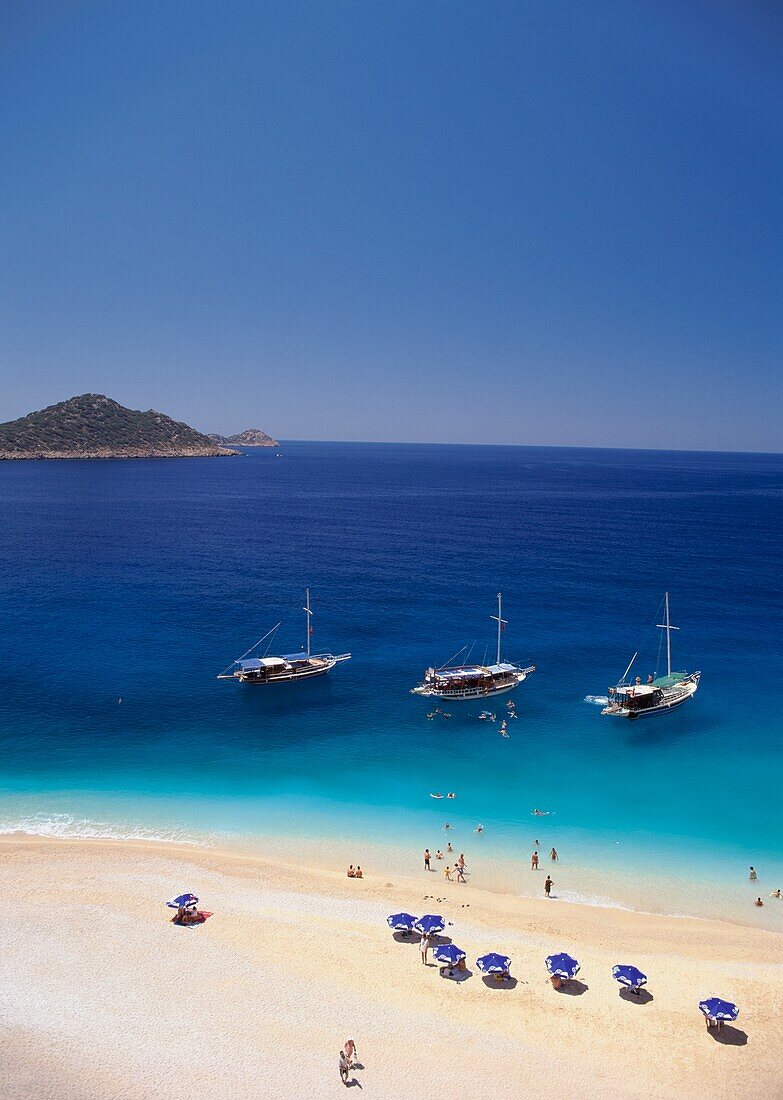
[458, 869]
[753, 877]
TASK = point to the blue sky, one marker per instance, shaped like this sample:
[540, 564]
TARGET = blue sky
[522, 222]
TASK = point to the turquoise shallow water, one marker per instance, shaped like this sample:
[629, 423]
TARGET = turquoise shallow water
[141, 580]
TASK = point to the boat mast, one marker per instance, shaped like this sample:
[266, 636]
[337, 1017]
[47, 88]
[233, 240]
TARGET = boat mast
[308, 613]
[667, 626]
[501, 622]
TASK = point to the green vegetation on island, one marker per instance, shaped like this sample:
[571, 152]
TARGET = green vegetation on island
[95, 426]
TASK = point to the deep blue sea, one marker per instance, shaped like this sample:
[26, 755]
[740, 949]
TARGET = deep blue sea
[141, 580]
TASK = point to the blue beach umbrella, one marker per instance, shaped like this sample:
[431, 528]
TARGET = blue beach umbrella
[630, 976]
[182, 900]
[449, 954]
[562, 966]
[401, 922]
[714, 1008]
[429, 924]
[494, 963]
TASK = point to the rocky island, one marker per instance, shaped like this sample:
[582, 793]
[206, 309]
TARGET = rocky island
[250, 437]
[94, 426]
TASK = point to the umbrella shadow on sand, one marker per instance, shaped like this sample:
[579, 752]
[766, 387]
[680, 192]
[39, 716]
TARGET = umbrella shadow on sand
[406, 937]
[643, 997]
[455, 975]
[572, 987]
[491, 982]
[729, 1036]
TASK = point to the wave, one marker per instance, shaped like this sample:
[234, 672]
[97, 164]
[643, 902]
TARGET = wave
[599, 700]
[66, 826]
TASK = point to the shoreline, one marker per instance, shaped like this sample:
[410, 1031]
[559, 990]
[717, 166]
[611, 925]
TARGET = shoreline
[295, 954]
[606, 883]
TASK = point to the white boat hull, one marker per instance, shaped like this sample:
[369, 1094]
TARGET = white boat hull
[675, 700]
[468, 694]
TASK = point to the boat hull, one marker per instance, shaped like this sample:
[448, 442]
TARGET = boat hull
[665, 706]
[467, 694]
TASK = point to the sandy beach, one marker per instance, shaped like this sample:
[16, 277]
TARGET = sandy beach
[103, 997]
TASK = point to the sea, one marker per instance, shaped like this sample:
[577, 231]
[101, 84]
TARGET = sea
[127, 586]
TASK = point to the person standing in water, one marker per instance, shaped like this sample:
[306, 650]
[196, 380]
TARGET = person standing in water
[553, 855]
[752, 876]
[548, 886]
[534, 861]
[426, 859]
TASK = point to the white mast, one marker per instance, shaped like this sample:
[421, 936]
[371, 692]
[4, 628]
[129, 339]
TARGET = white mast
[308, 613]
[501, 622]
[667, 626]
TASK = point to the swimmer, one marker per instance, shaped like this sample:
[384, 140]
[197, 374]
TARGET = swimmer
[479, 829]
[439, 854]
[758, 903]
[437, 794]
[540, 813]
[451, 794]
[449, 847]
[447, 826]
[776, 894]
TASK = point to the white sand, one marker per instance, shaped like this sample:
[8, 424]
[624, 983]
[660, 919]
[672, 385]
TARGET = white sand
[101, 997]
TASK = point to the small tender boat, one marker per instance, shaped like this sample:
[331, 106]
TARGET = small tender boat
[475, 681]
[661, 694]
[252, 669]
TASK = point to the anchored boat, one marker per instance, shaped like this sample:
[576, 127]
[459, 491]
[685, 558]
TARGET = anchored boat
[253, 669]
[475, 681]
[660, 694]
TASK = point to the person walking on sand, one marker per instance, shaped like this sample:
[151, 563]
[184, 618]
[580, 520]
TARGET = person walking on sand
[534, 861]
[461, 861]
[554, 856]
[424, 946]
[447, 872]
[426, 859]
[460, 873]
[548, 886]
[343, 1067]
[350, 1052]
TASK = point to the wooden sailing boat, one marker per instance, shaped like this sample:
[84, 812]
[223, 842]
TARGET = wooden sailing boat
[659, 695]
[251, 668]
[475, 681]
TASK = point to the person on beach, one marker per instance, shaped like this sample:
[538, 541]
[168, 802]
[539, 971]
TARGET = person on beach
[343, 1067]
[449, 847]
[534, 861]
[461, 861]
[553, 855]
[447, 872]
[426, 859]
[439, 854]
[752, 876]
[758, 903]
[776, 894]
[350, 1052]
[424, 946]
[548, 886]
[350, 872]
[460, 873]
[359, 872]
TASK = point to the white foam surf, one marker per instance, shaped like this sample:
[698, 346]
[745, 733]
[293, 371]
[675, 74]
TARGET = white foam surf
[67, 826]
